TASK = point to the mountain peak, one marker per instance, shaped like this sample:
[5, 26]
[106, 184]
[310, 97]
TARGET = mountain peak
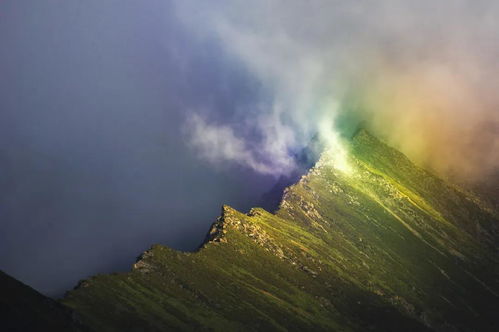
[362, 132]
[228, 218]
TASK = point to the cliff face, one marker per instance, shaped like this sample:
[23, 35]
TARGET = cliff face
[376, 244]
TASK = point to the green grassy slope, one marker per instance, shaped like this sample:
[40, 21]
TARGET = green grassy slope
[385, 246]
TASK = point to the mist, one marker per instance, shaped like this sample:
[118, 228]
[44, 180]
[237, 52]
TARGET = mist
[422, 75]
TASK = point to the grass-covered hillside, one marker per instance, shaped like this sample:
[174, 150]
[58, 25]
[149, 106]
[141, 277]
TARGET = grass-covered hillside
[379, 245]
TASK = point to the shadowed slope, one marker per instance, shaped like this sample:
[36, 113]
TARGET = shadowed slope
[24, 309]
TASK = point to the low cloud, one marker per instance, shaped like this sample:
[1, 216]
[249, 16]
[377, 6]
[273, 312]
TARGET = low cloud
[423, 75]
[219, 144]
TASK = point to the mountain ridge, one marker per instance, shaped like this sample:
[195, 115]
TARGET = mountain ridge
[382, 245]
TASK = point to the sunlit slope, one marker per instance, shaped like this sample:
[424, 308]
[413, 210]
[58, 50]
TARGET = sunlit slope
[383, 245]
[397, 230]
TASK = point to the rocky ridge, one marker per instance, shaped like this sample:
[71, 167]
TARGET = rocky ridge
[383, 245]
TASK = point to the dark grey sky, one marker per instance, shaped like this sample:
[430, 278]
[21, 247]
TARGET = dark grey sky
[94, 166]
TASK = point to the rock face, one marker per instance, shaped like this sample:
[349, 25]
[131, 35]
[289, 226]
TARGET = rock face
[379, 245]
[24, 309]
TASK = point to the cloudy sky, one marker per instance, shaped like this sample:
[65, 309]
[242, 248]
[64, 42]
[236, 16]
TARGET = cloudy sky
[127, 123]
[95, 164]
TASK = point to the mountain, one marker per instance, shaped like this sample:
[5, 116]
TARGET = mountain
[371, 243]
[24, 309]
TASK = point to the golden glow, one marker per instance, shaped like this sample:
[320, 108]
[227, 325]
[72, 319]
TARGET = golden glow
[436, 117]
